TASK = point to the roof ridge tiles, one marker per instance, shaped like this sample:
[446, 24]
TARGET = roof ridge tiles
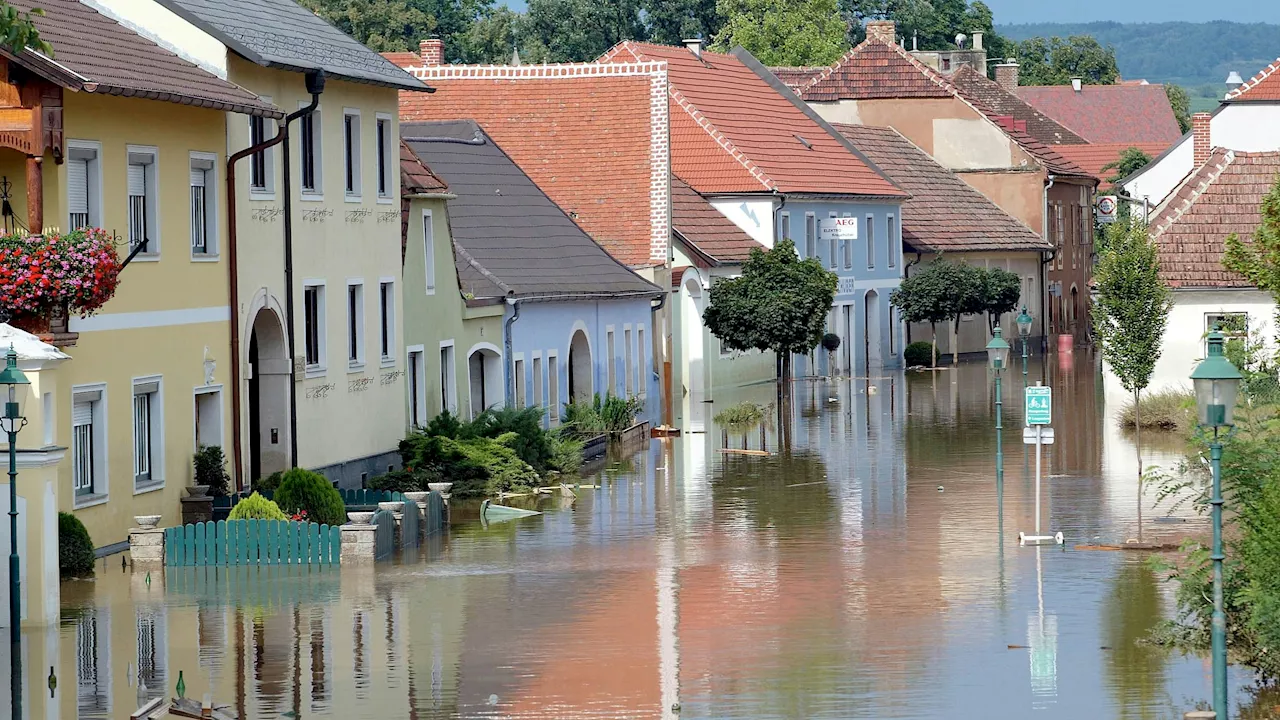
[1199, 181]
[1254, 81]
[541, 71]
[721, 139]
[927, 71]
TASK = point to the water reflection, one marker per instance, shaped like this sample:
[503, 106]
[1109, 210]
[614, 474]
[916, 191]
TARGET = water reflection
[860, 574]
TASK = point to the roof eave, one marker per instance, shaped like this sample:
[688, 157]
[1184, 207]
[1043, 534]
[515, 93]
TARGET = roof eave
[429, 196]
[182, 99]
[693, 247]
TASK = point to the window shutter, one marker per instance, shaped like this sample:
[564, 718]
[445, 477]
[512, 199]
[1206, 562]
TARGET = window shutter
[197, 177]
[78, 186]
[137, 179]
[143, 388]
[82, 413]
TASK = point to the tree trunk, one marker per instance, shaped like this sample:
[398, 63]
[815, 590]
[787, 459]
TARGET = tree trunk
[955, 342]
[934, 327]
[1137, 427]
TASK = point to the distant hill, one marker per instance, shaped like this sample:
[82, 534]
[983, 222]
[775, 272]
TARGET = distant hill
[1189, 54]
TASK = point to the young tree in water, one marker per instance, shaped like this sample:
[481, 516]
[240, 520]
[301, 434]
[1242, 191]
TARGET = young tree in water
[1001, 291]
[931, 294]
[779, 303]
[1130, 312]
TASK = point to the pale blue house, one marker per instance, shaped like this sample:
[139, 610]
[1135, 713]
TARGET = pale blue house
[576, 321]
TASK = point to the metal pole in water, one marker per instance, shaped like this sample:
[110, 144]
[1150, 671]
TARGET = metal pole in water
[1219, 617]
[1039, 437]
[999, 442]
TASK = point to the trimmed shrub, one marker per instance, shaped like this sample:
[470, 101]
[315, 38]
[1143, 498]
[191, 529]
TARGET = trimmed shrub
[919, 354]
[830, 342]
[303, 490]
[211, 469]
[75, 547]
[270, 483]
[399, 481]
[256, 507]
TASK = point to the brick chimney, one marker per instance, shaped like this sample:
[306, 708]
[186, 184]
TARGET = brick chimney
[1007, 75]
[886, 31]
[1201, 141]
[432, 51]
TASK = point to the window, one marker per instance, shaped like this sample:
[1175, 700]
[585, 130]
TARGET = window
[610, 358]
[417, 392]
[810, 235]
[386, 321]
[88, 441]
[429, 248]
[553, 386]
[385, 160]
[784, 226]
[152, 646]
[893, 328]
[629, 365]
[832, 249]
[1234, 326]
[448, 390]
[351, 152]
[93, 662]
[641, 377]
[848, 249]
[519, 377]
[871, 241]
[208, 418]
[355, 324]
[538, 380]
[147, 427]
[309, 138]
[892, 245]
[143, 203]
[313, 321]
[204, 206]
[84, 184]
[262, 175]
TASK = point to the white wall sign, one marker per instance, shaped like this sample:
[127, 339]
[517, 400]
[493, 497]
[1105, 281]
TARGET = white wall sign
[840, 228]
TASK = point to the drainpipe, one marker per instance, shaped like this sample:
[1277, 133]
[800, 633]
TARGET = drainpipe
[1044, 287]
[233, 282]
[315, 86]
[506, 347]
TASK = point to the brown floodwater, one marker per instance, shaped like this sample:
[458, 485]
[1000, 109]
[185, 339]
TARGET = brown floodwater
[870, 572]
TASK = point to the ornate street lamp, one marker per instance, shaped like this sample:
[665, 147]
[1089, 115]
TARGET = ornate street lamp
[998, 356]
[1024, 321]
[13, 384]
[1216, 383]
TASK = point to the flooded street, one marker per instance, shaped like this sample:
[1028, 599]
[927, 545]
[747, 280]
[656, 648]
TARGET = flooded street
[869, 574]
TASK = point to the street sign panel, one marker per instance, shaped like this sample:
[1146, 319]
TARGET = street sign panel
[838, 228]
[1039, 405]
[1029, 435]
[1107, 206]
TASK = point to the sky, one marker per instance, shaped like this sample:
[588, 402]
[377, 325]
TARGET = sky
[1025, 11]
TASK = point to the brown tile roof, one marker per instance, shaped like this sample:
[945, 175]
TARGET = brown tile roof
[796, 77]
[1219, 198]
[415, 177]
[1263, 86]
[875, 70]
[707, 229]
[992, 95]
[1094, 156]
[403, 59]
[944, 213]
[593, 138]
[1108, 113]
[765, 131]
[110, 59]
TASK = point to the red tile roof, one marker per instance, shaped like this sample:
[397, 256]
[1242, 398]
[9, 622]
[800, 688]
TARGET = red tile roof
[403, 59]
[1219, 198]
[1094, 156]
[593, 137]
[994, 96]
[944, 213]
[1263, 86]
[707, 229]
[415, 176]
[796, 77]
[779, 144]
[1108, 113]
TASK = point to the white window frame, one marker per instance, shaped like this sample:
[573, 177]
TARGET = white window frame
[871, 242]
[846, 250]
[98, 437]
[553, 385]
[97, 689]
[266, 191]
[353, 191]
[387, 167]
[316, 192]
[320, 367]
[642, 378]
[204, 391]
[429, 251]
[448, 377]
[539, 378]
[355, 325]
[152, 195]
[417, 367]
[210, 207]
[611, 374]
[518, 381]
[154, 428]
[628, 364]
[835, 258]
[93, 180]
[784, 227]
[387, 320]
[810, 238]
[893, 246]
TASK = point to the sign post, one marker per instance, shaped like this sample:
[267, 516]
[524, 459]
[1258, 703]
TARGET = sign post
[1039, 413]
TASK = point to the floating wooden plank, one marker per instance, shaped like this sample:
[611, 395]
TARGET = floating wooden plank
[734, 451]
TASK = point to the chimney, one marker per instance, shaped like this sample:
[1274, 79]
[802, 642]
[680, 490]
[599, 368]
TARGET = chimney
[1201, 141]
[1007, 74]
[694, 46]
[1234, 81]
[1075, 83]
[886, 31]
[432, 51]
[977, 39]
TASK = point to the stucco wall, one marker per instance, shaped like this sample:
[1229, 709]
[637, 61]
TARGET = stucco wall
[1184, 344]
[754, 216]
[1019, 193]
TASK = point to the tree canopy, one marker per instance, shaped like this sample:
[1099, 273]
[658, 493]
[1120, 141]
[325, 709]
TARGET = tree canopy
[1132, 305]
[783, 32]
[1180, 101]
[1259, 261]
[945, 291]
[1055, 60]
[1130, 161]
[17, 31]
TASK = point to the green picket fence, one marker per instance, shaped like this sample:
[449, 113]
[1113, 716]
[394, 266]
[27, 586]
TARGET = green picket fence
[384, 540]
[252, 542]
[435, 515]
[363, 497]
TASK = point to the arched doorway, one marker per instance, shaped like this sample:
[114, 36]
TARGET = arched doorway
[871, 330]
[581, 370]
[693, 334]
[484, 371]
[269, 375]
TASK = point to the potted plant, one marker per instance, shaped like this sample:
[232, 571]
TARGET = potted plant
[210, 470]
[43, 274]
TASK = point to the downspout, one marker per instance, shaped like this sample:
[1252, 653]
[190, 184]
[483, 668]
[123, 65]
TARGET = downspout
[233, 265]
[315, 86]
[506, 347]
[1044, 285]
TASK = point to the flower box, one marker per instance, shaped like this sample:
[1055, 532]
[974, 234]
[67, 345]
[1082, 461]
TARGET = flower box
[47, 277]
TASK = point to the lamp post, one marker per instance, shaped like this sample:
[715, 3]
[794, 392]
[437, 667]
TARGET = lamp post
[1216, 383]
[14, 385]
[998, 355]
[1024, 322]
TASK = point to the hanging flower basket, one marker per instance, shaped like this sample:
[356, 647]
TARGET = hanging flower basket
[40, 274]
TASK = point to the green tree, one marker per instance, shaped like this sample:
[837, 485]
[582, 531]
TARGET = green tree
[579, 30]
[1259, 261]
[1180, 101]
[1130, 161]
[391, 25]
[779, 303]
[18, 31]
[1054, 61]
[1131, 311]
[931, 295]
[1001, 291]
[783, 32]
[670, 21]
[493, 37]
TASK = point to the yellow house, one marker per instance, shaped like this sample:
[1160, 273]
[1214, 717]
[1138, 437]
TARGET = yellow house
[136, 148]
[320, 362]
